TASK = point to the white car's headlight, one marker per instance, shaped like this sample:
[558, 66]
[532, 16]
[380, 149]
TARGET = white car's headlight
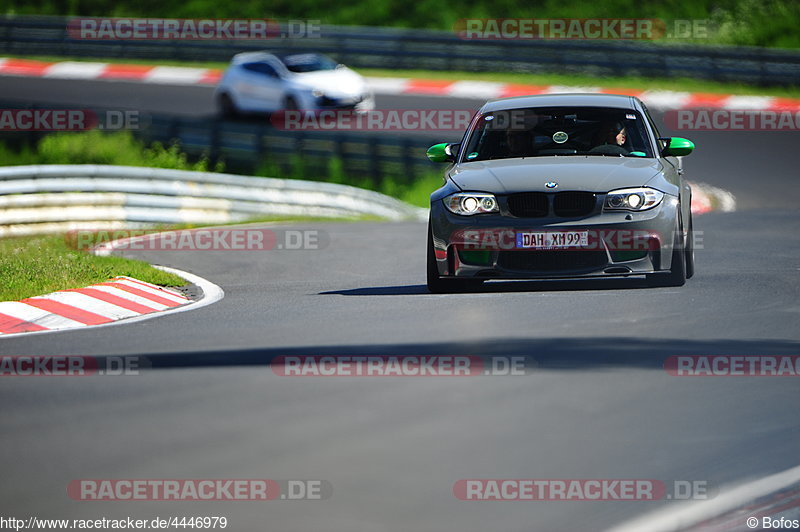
[469, 203]
[633, 199]
[316, 93]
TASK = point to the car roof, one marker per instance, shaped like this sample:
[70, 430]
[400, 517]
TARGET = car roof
[248, 57]
[616, 101]
[263, 55]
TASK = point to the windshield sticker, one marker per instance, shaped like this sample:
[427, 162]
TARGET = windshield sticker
[630, 116]
[472, 155]
[559, 137]
[488, 118]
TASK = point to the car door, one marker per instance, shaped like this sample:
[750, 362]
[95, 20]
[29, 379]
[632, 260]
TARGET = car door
[261, 87]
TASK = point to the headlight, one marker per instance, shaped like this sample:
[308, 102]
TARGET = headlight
[316, 93]
[469, 203]
[633, 199]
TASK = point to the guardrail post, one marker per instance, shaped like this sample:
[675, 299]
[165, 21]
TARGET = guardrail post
[408, 158]
[214, 148]
[374, 160]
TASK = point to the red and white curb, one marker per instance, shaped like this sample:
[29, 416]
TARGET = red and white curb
[120, 298]
[658, 99]
[108, 71]
[481, 90]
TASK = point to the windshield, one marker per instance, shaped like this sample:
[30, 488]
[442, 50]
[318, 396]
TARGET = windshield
[547, 131]
[308, 63]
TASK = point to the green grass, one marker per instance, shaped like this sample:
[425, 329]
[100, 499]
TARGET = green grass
[417, 192]
[96, 147]
[674, 84]
[124, 61]
[36, 265]
[31, 266]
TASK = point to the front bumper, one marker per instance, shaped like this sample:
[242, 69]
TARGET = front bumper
[364, 102]
[619, 244]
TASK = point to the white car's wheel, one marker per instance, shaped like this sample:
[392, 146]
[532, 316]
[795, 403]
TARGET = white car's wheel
[227, 109]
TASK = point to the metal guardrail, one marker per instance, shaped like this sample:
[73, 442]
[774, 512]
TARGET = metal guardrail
[246, 146]
[392, 48]
[48, 198]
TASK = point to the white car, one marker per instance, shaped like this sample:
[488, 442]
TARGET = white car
[257, 82]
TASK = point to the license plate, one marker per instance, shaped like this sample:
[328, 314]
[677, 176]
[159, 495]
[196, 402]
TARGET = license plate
[553, 240]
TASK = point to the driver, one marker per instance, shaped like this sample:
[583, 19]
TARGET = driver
[614, 134]
[611, 136]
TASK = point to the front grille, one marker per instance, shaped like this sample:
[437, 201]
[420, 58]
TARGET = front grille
[339, 103]
[528, 205]
[571, 204]
[565, 204]
[552, 260]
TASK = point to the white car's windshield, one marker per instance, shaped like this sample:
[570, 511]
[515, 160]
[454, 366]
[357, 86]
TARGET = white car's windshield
[536, 132]
[300, 63]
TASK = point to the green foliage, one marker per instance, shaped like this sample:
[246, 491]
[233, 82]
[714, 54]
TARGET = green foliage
[759, 23]
[415, 191]
[95, 147]
[744, 22]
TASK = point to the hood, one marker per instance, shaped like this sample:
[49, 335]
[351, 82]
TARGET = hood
[589, 174]
[341, 82]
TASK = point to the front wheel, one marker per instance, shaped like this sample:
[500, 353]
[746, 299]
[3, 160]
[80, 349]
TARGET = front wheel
[227, 109]
[690, 250]
[290, 104]
[437, 285]
[676, 276]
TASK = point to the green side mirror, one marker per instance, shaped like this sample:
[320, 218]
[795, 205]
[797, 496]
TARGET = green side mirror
[677, 147]
[441, 153]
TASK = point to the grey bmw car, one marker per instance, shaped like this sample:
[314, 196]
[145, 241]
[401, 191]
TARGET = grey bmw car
[561, 186]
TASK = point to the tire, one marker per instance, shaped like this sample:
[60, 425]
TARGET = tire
[690, 250]
[437, 285]
[290, 104]
[227, 109]
[676, 276]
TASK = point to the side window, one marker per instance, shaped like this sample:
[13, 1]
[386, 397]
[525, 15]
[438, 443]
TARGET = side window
[261, 68]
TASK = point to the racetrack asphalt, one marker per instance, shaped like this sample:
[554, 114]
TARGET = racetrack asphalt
[596, 404]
